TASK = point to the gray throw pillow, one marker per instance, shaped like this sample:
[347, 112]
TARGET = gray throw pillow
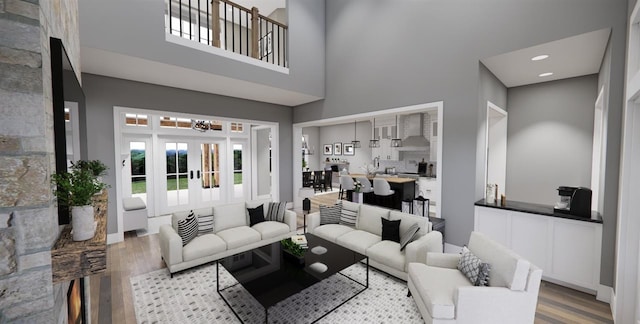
[276, 211]
[473, 268]
[407, 236]
[188, 228]
[347, 216]
[330, 214]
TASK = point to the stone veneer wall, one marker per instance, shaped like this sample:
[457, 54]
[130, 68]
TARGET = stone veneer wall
[28, 217]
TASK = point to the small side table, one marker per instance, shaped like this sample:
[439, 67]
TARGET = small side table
[438, 225]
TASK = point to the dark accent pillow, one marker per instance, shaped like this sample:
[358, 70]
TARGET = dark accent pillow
[256, 215]
[408, 235]
[473, 268]
[390, 230]
[188, 228]
[330, 214]
[276, 211]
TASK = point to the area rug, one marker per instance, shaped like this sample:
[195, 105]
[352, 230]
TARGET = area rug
[191, 297]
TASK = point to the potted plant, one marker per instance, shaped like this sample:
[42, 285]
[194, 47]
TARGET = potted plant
[76, 189]
[292, 251]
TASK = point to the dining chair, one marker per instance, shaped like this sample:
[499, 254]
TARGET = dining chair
[318, 180]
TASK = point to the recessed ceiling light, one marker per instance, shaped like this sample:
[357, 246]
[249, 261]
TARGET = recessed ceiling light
[546, 74]
[539, 57]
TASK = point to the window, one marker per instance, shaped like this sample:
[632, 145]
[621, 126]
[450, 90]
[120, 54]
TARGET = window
[174, 122]
[237, 127]
[136, 120]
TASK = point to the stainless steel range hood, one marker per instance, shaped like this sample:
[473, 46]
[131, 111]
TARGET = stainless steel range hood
[415, 140]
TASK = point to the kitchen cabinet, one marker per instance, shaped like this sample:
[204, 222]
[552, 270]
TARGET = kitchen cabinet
[385, 151]
[567, 250]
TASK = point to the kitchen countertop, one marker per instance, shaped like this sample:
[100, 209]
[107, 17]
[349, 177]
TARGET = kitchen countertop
[389, 179]
[544, 210]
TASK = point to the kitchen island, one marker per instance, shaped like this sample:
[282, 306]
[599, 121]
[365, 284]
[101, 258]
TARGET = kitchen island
[404, 189]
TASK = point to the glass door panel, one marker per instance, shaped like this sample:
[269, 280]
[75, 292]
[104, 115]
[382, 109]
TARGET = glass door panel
[211, 165]
[138, 156]
[240, 170]
[177, 173]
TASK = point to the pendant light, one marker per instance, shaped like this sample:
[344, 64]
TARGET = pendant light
[374, 142]
[355, 142]
[396, 142]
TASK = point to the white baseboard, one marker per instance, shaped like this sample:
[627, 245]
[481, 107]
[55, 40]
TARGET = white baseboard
[450, 248]
[604, 294]
[115, 238]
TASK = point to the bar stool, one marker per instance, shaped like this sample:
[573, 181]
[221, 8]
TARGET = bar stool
[366, 188]
[383, 192]
[346, 184]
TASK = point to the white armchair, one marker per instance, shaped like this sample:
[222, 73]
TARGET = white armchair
[444, 295]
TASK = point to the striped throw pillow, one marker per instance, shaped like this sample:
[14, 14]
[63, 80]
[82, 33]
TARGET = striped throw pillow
[330, 214]
[276, 211]
[347, 216]
[188, 228]
[205, 224]
[408, 235]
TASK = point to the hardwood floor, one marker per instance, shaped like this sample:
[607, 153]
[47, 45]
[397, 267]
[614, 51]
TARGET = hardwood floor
[112, 301]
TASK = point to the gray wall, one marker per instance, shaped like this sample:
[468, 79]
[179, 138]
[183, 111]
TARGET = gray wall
[103, 93]
[313, 136]
[343, 133]
[263, 145]
[489, 89]
[550, 138]
[430, 52]
[137, 28]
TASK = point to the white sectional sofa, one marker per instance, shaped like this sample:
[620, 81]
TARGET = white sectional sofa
[231, 235]
[366, 237]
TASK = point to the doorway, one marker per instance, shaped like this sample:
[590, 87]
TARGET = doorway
[496, 147]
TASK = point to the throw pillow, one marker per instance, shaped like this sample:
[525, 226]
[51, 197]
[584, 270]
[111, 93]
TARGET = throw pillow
[256, 215]
[276, 211]
[205, 224]
[473, 268]
[391, 230]
[407, 236]
[330, 214]
[347, 215]
[188, 228]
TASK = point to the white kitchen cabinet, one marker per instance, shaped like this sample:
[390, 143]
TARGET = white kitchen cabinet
[567, 250]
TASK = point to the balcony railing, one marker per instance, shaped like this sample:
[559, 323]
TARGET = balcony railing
[230, 26]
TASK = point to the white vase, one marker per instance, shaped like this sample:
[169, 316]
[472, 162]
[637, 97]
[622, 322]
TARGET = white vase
[82, 223]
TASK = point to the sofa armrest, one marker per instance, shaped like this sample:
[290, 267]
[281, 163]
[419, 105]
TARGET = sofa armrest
[443, 260]
[417, 250]
[170, 245]
[291, 219]
[313, 221]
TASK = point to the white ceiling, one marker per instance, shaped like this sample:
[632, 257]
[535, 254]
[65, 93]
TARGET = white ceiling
[569, 57]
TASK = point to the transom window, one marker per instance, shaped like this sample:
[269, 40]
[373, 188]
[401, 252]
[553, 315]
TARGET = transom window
[136, 120]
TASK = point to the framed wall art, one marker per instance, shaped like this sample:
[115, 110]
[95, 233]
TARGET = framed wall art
[328, 149]
[337, 148]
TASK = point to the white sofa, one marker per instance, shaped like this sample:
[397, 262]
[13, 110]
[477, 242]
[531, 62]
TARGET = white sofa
[443, 294]
[231, 235]
[366, 237]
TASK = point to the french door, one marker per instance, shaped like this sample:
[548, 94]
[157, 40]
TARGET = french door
[137, 169]
[198, 173]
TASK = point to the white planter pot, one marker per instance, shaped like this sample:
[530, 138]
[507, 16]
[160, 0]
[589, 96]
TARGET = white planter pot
[84, 227]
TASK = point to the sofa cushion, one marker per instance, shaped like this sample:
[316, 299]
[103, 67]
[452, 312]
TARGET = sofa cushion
[508, 269]
[188, 228]
[358, 240]
[330, 214]
[331, 232]
[408, 220]
[390, 230]
[348, 213]
[270, 229]
[369, 219]
[229, 216]
[133, 203]
[239, 236]
[202, 246]
[388, 253]
[256, 215]
[276, 211]
[437, 288]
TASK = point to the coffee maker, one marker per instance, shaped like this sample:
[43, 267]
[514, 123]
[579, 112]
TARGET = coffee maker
[574, 201]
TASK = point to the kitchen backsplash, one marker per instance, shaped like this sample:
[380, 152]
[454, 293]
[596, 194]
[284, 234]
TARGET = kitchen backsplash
[408, 164]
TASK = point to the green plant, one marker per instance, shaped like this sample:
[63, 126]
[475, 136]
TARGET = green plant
[304, 164]
[293, 248]
[77, 187]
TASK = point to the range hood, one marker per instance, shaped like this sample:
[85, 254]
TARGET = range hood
[415, 140]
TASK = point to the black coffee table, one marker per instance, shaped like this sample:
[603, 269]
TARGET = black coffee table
[270, 276]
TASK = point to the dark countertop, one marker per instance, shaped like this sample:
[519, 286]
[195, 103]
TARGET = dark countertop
[538, 209]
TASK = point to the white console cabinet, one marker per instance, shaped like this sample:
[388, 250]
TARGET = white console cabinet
[567, 250]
